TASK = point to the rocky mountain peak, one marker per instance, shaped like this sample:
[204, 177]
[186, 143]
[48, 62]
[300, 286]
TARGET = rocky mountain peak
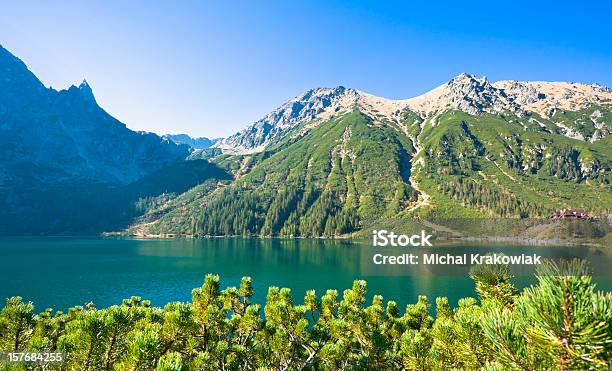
[84, 86]
[306, 107]
[465, 78]
[85, 89]
[466, 85]
[465, 92]
[82, 93]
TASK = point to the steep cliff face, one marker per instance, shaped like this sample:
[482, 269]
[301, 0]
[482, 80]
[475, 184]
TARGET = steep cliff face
[61, 148]
[68, 134]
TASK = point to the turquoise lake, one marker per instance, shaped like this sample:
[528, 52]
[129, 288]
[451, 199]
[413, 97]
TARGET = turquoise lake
[61, 272]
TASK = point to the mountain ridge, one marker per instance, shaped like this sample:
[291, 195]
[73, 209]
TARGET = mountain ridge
[338, 162]
[352, 173]
[464, 92]
[61, 155]
[38, 115]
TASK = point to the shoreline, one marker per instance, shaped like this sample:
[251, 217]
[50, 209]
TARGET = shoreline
[511, 240]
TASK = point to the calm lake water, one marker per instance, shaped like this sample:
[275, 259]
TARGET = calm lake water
[60, 272]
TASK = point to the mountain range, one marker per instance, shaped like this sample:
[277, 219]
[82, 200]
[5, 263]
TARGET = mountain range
[330, 162]
[466, 93]
[337, 161]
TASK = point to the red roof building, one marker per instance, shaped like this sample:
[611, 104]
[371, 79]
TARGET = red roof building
[569, 214]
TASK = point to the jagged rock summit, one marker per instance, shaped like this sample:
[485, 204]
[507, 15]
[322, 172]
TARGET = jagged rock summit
[465, 92]
[62, 156]
[313, 104]
[65, 135]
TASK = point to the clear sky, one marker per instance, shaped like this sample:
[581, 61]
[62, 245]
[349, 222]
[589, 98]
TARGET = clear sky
[212, 68]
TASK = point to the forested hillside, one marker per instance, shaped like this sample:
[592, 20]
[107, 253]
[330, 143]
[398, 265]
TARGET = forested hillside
[323, 181]
[336, 176]
[511, 166]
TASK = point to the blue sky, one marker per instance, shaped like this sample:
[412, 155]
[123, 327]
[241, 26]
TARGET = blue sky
[212, 68]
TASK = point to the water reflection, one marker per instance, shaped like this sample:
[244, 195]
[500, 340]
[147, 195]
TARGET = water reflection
[62, 272]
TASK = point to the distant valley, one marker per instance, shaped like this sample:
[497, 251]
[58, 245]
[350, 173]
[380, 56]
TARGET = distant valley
[196, 143]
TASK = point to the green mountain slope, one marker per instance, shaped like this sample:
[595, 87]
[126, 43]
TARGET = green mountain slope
[325, 181]
[357, 170]
[512, 167]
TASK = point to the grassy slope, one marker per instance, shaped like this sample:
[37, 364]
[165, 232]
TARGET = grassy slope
[353, 173]
[346, 166]
[501, 140]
